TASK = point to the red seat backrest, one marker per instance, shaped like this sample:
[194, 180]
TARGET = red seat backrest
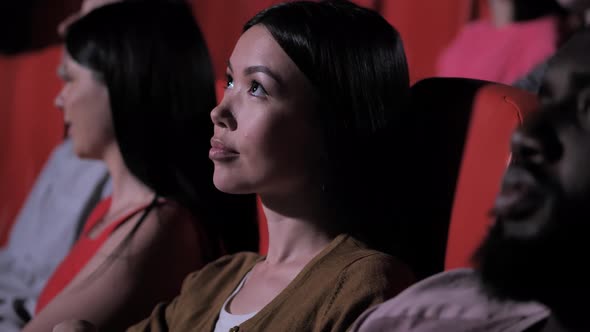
[497, 110]
[458, 132]
[30, 126]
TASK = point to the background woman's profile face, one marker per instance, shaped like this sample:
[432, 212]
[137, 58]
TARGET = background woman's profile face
[86, 106]
[265, 120]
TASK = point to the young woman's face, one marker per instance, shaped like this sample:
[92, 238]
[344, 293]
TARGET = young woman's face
[265, 137]
[87, 113]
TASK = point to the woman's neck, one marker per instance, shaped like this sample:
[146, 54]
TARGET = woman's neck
[299, 226]
[128, 191]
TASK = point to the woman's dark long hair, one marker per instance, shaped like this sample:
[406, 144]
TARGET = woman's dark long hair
[153, 60]
[356, 63]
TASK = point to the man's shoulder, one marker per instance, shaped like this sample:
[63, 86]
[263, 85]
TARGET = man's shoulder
[454, 298]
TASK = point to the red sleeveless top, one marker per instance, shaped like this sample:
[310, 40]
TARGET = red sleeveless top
[81, 253]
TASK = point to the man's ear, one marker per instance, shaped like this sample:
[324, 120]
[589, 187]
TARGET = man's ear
[583, 104]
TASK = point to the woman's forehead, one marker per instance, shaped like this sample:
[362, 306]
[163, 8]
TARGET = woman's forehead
[257, 47]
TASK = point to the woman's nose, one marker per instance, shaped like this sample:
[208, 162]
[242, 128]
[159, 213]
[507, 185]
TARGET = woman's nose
[222, 115]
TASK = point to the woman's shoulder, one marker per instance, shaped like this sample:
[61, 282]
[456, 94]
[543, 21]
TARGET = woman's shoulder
[170, 211]
[354, 263]
[377, 270]
[163, 224]
[237, 261]
[350, 279]
[224, 268]
[161, 235]
[170, 223]
[353, 252]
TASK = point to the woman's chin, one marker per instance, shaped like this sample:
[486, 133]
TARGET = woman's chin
[230, 187]
[84, 153]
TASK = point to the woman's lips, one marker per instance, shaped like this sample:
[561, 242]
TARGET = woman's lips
[220, 152]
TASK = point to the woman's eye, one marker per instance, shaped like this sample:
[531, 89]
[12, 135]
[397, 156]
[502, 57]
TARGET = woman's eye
[229, 82]
[257, 90]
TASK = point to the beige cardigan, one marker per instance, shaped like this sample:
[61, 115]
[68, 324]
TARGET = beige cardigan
[333, 289]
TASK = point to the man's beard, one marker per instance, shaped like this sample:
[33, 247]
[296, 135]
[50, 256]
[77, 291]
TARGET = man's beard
[543, 267]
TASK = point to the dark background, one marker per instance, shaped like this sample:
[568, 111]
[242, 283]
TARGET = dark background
[31, 24]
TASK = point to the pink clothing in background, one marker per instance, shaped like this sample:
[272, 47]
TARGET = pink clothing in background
[505, 54]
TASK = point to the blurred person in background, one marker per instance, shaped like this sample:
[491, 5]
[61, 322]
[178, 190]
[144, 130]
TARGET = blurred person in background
[519, 35]
[530, 273]
[61, 200]
[48, 224]
[138, 88]
[578, 19]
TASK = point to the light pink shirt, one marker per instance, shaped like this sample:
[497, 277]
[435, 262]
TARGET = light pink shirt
[452, 301]
[505, 54]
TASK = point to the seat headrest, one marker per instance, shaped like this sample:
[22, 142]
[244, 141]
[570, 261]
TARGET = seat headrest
[458, 131]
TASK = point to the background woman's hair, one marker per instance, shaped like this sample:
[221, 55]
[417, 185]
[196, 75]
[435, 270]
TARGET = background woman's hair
[356, 62]
[153, 60]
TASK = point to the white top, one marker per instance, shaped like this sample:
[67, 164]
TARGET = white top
[226, 321]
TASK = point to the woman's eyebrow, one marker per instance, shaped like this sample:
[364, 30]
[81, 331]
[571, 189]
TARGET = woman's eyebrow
[263, 69]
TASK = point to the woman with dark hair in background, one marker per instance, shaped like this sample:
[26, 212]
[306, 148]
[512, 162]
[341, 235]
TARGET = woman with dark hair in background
[137, 94]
